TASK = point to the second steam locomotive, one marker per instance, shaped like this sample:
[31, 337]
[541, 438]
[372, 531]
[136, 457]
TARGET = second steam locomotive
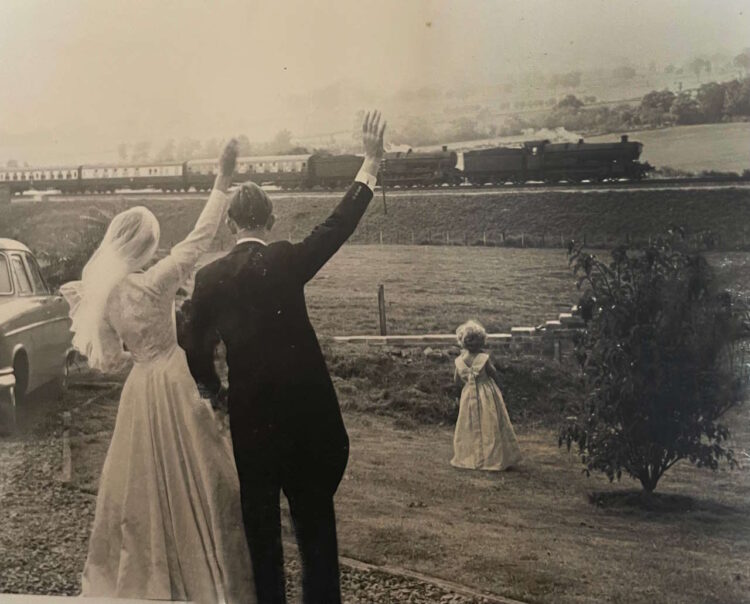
[533, 161]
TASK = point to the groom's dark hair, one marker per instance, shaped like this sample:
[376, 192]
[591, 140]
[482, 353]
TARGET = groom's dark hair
[250, 207]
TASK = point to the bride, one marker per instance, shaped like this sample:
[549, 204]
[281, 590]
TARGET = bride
[168, 521]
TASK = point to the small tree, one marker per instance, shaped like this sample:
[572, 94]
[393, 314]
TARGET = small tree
[658, 362]
[686, 110]
[742, 60]
[570, 102]
[710, 99]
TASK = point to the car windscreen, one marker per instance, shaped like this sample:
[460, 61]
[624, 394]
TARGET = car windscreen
[40, 287]
[22, 277]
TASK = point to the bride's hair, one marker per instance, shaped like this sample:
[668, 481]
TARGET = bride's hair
[471, 336]
[129, 244]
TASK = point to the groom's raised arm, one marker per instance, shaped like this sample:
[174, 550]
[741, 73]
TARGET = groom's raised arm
[316, 249]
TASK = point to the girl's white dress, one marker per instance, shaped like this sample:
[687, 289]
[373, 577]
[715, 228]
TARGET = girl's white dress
[484, 438]
[168, 522]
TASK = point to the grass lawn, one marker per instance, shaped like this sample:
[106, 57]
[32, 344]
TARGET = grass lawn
[533, 533]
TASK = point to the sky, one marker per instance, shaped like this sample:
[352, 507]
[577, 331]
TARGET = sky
[80, 76]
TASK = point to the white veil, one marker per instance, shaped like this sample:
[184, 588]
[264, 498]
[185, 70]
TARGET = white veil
[129, 243]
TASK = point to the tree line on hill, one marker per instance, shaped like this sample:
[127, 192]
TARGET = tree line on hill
[711, 103]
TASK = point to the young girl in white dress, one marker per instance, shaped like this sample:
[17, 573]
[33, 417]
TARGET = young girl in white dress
[484, 438]
[168, 523]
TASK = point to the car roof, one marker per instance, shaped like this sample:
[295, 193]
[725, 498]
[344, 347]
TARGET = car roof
[13, 245]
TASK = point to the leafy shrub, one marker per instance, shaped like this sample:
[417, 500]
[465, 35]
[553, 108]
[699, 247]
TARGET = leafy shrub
[659, 358]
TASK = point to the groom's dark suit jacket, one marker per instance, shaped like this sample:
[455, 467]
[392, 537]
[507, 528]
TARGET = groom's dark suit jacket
[284, 414]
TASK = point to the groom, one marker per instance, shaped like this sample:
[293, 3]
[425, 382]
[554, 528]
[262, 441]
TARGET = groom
[286, 425]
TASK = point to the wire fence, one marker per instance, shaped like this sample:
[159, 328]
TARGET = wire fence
[702, 241]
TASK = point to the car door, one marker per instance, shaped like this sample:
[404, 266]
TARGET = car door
[53, 337]
[28, 321]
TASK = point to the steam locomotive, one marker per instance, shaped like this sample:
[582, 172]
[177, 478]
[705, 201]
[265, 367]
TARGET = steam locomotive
[555, 162]
[532, 161]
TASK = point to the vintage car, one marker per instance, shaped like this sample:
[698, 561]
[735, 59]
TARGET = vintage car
[35, 338]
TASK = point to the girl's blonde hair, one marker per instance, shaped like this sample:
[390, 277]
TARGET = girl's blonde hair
[471, 336]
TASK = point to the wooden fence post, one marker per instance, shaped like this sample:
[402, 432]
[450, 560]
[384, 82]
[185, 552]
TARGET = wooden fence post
[412, 237]
[523, 240]
[381, 237]
[484, 237]
[381, 310]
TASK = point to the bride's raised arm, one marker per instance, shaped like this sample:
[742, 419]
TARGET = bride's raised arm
[171, 272]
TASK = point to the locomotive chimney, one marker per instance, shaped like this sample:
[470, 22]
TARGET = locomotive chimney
[624, 138]
[580, 141]
[445, 147]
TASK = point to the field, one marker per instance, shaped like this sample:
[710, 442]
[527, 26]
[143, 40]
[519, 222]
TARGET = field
[433, 289]
[722, 147]
[543, 218]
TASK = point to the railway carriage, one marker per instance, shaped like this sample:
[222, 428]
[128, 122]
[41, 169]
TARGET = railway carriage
[285, 171]
[61, 178]
[110, 177]
[333, 171]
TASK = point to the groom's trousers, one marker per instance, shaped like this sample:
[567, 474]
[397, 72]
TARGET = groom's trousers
[270, 461]
[315, 529]
[302, 450]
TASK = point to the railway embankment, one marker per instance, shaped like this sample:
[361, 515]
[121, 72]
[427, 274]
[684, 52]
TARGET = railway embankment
[523, 218]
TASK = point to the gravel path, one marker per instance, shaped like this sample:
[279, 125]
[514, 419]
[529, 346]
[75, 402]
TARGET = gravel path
[44, 524]
[44, 527]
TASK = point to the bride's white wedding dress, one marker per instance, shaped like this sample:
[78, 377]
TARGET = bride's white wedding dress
[168, 519]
